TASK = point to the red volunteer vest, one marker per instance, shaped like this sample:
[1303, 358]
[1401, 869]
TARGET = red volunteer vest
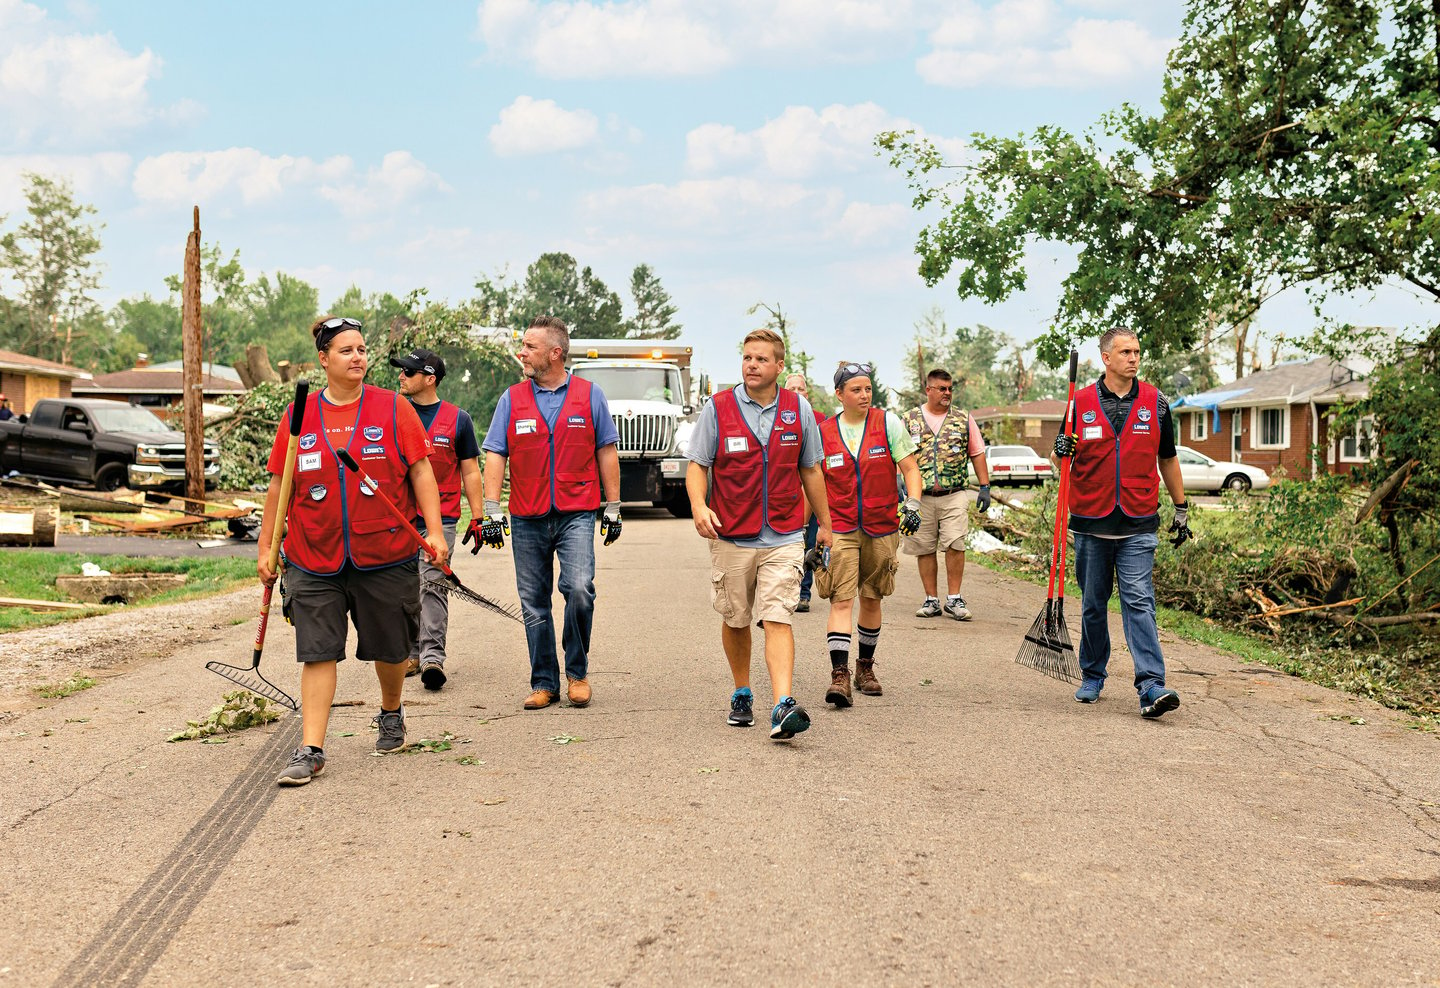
[331, 522]
[753, 484]
[861, 488]
[1110, 470]
[552, 470]
[443, 459]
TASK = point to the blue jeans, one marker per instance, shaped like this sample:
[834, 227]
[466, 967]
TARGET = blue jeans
[812, 528]
[536, 543]
[1099, 565]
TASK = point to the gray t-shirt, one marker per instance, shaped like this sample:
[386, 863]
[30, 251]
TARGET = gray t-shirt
[705, 444]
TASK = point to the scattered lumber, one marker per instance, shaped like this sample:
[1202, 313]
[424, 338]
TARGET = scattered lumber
[30, 526]
[41, 605]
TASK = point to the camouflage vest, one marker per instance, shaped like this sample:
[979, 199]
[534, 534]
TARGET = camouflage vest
[943, 458]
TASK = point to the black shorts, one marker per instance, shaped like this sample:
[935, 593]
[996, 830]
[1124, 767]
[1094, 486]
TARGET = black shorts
[384, 604]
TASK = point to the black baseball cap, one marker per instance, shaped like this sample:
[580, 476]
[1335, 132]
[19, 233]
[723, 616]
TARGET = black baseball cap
[421, 361]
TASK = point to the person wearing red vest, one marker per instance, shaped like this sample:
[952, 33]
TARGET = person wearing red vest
[344, 552]
[455, 458]
[1123, 446]
[554, 431]
[754, 448]
[863, 447]
[798, 384]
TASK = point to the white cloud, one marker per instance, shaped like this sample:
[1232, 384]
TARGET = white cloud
[866, 222]
[211, 177]
[59, 89]
[802, 142]
[91, 174]
[1033, 43]
[712, 206]
[540, 126]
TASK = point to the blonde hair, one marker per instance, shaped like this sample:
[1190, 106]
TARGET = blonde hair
[767, 336]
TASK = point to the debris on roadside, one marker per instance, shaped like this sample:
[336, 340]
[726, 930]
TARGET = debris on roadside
[240, 710]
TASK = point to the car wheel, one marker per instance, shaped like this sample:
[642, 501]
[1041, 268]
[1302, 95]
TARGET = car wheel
[1238, 482]
[111, 477]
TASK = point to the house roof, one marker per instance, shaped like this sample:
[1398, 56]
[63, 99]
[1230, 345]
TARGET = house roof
[1321, 380]
[218, 370]
[25, 364]
[153, 381]
[1041, 408]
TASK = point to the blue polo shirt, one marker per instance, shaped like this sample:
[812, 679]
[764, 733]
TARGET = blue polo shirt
[497, 438]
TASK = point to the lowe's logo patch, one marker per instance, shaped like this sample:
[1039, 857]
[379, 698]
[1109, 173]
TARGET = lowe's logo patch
[309, 440]
[374, 433]
[789, 437]
[1143, 414]
[373, 451]
[876, 450]
[440, 440]
[787, 417]
[1088, 417]
[576, 420]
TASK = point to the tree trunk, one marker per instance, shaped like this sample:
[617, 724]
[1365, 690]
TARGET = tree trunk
[244, 371]
[35, 527]
[258, 360]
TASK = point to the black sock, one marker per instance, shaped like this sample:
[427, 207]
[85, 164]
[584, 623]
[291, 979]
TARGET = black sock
[839, 649]
[869, 638]
[314, 750]
[395, 711]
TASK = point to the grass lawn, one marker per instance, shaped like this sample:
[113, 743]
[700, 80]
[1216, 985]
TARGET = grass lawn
[30, 574]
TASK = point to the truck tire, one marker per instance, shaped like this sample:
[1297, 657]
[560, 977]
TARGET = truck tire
[110, 477]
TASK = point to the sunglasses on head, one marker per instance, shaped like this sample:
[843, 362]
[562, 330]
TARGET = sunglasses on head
[865, 369]
[339, 322]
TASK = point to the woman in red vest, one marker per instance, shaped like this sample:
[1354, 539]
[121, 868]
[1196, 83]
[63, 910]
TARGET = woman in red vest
[344, 552]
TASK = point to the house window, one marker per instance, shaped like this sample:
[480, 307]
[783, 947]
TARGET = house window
[1198, 427]
[1032, 428]
[1270, 428]
[1358, 445]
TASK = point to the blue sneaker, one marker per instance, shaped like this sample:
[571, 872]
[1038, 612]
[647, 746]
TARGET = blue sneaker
[742, 712]
[1157, 700]
[787, 720]
[1089, 691]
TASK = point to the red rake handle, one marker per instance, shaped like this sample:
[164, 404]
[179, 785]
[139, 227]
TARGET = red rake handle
[406, 523]
[1062, 493]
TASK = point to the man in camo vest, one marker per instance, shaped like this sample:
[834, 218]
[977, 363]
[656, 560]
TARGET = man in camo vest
[948, 439]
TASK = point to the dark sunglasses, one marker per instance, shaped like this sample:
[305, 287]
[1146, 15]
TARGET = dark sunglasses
[340, 321]
[407, 372]
[936, 387]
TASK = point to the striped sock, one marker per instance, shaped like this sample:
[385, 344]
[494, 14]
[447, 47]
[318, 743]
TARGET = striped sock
[869, 638]
[839, 643]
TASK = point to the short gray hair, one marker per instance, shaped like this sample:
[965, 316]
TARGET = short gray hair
[555, 329]
[1107, 338]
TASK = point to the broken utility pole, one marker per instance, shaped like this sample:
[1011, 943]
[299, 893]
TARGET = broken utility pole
[193, 396]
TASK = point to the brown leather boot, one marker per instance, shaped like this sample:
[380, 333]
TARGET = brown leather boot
[540, 699]
[579, 692]
[865, 680]
[839, 691]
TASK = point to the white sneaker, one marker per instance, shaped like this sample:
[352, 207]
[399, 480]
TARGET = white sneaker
[931, 608]
[955, 607]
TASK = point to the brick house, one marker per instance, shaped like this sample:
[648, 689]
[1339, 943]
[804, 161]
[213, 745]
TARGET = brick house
[25, 380]
[1031, 423]
[1274, 418]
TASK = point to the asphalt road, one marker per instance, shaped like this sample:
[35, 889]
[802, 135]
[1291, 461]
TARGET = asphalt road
[973, 825]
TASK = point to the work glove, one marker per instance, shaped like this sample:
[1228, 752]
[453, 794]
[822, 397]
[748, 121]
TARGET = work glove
[610, 521]
[818, 558]
[474, 533]
[495, 527]
[1180, 525]
[910, 516]
[982, 498]
[1064, 446]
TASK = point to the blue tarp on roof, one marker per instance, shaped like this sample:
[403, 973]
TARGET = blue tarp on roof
[1211, 400]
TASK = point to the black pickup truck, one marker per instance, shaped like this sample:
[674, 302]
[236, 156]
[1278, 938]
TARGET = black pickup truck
[106, 444]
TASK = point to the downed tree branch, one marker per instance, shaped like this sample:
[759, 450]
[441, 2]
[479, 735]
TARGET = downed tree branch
[1391, 485]
[1313, 607]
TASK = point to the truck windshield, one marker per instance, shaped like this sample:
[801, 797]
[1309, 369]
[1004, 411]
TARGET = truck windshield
[635, 383]
[127, 418]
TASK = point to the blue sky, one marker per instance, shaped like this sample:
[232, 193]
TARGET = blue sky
[724, 142]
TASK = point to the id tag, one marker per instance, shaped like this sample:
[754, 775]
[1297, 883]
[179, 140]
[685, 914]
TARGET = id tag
[736, 444]
[1090, 432]
[835, 460]
[524, 427]
[309, 461]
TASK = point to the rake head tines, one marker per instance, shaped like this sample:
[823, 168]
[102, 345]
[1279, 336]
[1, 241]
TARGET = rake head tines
[453, 586]
[1047, 647]
[249, 677]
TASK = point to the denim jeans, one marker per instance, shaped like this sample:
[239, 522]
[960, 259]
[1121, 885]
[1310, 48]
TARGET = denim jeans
[536, 543]
[1099, 565]
[812, 529]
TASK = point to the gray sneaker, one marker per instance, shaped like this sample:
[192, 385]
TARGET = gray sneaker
[931, 608]
[303, 766]
[392, 731]
[955, 608]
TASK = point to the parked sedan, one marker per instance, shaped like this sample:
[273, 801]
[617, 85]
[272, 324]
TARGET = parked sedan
[1017, 465]
[1200, 473]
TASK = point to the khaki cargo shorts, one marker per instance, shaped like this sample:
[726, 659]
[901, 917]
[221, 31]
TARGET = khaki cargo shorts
[750, 584]
[944, 523]
[860, 566]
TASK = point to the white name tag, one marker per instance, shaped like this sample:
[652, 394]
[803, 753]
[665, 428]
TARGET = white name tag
[835, 460]
[917, 437]
[309, 461]
[1090, 432]
[524, 427]
[736, 444]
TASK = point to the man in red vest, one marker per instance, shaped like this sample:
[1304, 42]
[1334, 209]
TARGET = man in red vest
[555, 432]
[755, 447]
[455, 458]
[1123, 445]
[798, 384]
[863, 447]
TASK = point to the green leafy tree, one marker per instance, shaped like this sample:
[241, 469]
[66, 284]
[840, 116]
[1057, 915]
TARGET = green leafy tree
[654, 317]
[281, 313]
[1295, 147]
[972, 355]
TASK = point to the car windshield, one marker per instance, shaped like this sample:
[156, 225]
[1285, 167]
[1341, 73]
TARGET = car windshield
[127, 418]
[1013, 452]
[635, 383]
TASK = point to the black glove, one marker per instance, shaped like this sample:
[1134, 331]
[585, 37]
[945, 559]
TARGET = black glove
[982, 499]
[494, 531]
[610, 521]
[910, 516]
[1064, 446]
[818, 558]
[475, 533]
[1180, 525]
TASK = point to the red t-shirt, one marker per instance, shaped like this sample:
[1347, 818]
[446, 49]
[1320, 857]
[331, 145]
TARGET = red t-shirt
[340, 423]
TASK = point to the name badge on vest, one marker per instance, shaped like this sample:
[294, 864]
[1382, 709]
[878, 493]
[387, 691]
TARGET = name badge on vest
[1090, 432]
[835, 460]
[524, 427]
[736, 444]
[309, 461]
